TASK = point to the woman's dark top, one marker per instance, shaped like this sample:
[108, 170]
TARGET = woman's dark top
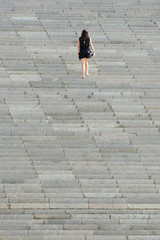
[84, 48]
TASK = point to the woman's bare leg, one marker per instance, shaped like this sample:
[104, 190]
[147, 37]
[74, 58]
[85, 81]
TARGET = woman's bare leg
[83, 66]
[86, 65]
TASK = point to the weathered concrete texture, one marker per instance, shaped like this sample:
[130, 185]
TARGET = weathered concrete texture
[79, 159]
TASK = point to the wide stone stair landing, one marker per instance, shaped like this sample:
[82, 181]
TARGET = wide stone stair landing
[79, 159]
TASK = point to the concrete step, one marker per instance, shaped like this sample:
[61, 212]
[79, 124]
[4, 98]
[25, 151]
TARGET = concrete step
[79, 158]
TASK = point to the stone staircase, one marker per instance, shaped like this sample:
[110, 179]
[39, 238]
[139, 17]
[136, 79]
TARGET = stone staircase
[79, 159]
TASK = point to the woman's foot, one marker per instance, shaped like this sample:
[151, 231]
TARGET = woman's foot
[87, 74]
[83, 77]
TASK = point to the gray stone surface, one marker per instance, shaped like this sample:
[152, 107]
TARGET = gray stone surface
[79, 159]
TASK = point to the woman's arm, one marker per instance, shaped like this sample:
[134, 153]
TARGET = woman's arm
[78, 46]
[91, 44]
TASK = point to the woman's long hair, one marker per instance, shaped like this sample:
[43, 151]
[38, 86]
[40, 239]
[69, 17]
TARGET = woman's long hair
[84, 34]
